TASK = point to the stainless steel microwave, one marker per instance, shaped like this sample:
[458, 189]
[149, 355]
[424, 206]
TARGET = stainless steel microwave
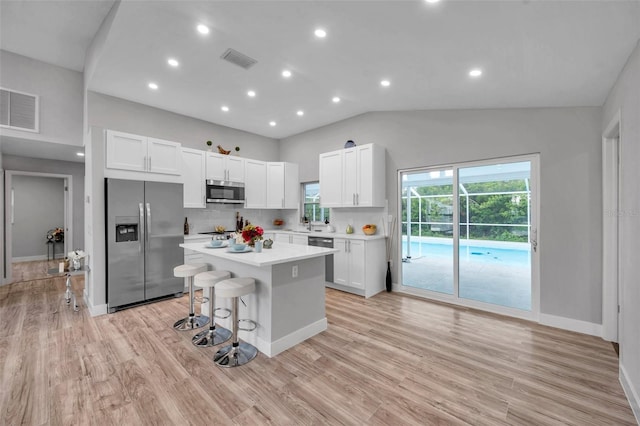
[225, 192]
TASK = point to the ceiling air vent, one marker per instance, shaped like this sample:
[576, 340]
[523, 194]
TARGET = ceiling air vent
[239, 59]
[18, 110]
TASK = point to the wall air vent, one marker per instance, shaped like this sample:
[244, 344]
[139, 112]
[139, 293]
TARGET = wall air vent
[239, 59]
[18, 110]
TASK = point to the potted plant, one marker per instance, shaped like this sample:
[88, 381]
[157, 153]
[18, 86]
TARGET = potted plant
[210, 145]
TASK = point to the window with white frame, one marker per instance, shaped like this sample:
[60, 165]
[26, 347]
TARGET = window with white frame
[311, 203]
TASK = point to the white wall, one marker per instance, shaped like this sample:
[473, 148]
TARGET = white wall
[568, 140]
[38, 207]
[76, 170]
[61, 98]
[112, 113]
[625, 98]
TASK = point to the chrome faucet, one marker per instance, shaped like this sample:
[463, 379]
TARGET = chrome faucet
[309, 225]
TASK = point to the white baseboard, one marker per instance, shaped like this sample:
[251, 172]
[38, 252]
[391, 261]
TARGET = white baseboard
[570, 324]
[274, 348]
[94, 311]
[632, 395]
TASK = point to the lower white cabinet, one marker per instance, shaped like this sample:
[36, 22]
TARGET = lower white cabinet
[348, 264]
[360, 266]
[292, 239]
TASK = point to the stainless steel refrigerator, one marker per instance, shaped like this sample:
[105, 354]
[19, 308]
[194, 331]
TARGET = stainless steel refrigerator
[144, 230]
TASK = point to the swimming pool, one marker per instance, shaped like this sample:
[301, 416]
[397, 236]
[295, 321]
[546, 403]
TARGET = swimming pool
[517, 254]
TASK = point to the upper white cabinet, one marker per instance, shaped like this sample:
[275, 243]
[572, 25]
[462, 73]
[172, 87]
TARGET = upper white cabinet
[142, 154]
[283, 187]
[331, 179]
[255, 184]
[225, 167]
[353, 177]
[194, 178]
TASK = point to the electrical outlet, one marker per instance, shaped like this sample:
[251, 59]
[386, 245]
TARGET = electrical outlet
[294, 271]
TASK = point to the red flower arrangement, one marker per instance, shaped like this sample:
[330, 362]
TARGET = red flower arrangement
[252, 233]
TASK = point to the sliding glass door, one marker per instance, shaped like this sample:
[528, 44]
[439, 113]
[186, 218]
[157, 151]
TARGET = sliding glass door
[478, 249]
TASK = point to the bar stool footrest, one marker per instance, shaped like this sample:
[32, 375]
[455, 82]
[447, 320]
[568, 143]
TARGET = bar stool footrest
[227, 311]
[252, 324]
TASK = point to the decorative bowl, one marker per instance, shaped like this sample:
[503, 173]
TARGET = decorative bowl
[238, 246]
[215, 243]
[369, 229]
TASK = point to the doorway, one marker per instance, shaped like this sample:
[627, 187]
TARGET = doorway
[469, 234]
[611, 289]
[38, 223]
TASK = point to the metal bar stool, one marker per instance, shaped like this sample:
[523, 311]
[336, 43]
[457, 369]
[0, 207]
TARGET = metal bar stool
[192, 321]
[236, 353]
[214, 335]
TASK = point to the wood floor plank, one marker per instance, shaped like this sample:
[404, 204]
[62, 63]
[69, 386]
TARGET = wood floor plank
[389, 359]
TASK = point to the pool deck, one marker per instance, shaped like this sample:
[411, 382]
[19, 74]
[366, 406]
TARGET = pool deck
[499, 283]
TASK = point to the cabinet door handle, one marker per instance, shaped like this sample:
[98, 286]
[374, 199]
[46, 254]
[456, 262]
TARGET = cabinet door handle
[144, 163]
[149, 163]
[283, 203]
[345, 246]
[357, 199]
[353, 199]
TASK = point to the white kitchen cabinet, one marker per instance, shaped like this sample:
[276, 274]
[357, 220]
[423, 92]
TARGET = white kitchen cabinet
[292, 238]
[126, 151]
[353, 177]
[225, 167]
[283, 186]
[331, 179]
[255, 184]
[359, 267]
[194, 178]
[348, 264]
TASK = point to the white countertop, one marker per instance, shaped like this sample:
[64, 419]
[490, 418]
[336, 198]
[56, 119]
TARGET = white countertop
[280, 253]
[354, 236]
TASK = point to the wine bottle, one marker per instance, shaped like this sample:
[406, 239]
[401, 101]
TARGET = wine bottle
[186, 226]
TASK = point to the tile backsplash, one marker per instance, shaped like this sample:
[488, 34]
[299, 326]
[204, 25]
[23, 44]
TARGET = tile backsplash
[204, 220]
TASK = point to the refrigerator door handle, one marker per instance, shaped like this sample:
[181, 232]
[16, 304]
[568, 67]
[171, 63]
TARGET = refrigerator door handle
[142, 237]
[148, 227]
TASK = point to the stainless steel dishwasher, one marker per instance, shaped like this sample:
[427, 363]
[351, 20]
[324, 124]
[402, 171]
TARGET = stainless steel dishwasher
[328, 262]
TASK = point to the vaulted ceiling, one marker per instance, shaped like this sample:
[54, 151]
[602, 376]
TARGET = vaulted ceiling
[531, 54]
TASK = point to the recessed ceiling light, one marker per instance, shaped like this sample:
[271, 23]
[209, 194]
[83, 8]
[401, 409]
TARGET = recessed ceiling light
[476, 72]
[153, 86]
[173, 62]
[320, 33]
[432, 1]
[272, 123]
[251, 93]
[203, 29]
[335, 99]
[80, 154]
[224, 108]
[286, 73]
[300, 113]
[385, 83]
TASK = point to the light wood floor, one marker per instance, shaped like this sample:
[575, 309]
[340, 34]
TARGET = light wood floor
[388, 360]
[32, 270]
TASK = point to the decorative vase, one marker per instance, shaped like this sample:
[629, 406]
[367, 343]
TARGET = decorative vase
[388, 283]
[76, 263]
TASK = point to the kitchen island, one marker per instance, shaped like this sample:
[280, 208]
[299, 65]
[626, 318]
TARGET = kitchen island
[289, 302]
